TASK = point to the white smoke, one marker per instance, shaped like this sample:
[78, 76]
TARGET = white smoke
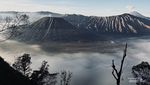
[130, 8]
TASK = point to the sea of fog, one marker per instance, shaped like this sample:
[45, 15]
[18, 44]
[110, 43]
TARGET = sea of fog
[88, 68]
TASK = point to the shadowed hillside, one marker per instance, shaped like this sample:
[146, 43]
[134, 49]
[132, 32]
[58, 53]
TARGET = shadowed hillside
[9, 76]
[54, 29]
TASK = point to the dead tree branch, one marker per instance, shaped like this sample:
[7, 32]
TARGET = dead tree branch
[117, 73]
[9, 25]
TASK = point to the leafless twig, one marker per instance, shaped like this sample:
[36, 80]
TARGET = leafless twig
[117, 74]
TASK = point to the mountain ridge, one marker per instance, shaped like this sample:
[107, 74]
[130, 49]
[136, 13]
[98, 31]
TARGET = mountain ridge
[53, 29]
[111, 23]
[85, 28]
[135, 13]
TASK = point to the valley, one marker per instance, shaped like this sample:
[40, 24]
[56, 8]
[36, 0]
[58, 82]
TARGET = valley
[83, 45]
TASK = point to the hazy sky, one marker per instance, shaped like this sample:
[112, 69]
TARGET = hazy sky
[86, 7]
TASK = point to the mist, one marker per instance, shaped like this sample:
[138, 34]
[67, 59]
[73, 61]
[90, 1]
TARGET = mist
[90, 68]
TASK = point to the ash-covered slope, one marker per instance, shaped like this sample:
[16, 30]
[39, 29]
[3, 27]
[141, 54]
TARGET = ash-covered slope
[135, 13]
[121, 24]
[84, 28]
[52, 29]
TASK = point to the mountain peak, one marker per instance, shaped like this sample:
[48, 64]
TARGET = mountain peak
[80, 28]
[135, 13]
[50, 29]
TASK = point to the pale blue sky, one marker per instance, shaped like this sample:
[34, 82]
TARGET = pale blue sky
[86, 7]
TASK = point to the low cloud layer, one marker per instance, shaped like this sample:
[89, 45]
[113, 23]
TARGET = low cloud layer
[94, 68]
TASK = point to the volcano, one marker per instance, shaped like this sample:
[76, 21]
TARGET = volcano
[49, 28]
[85, 28]
[120, 24]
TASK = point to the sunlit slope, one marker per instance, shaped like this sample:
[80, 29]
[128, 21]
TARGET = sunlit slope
[124, 23]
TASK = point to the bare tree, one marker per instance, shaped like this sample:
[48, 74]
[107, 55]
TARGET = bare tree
[117, 73]
[10, 25]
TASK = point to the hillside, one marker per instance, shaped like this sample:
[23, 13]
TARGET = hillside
[9, 76]
[53, 29]
[125, 23]
[84, 28]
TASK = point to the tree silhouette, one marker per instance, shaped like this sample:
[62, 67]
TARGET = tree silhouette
[22, 64]
[65, 78]
[11, 25]
[10, 76]
[43, 77]
[117, 73]
[142, 73]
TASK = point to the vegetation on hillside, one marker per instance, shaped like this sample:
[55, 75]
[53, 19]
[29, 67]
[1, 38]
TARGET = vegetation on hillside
[21, 73]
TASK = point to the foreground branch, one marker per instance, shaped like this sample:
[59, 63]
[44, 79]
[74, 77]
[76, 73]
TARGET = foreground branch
[117, 74]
